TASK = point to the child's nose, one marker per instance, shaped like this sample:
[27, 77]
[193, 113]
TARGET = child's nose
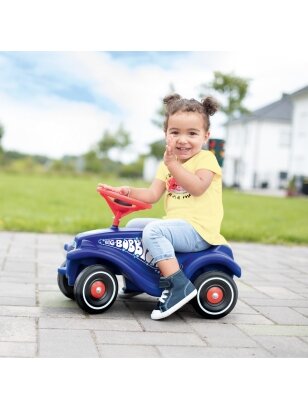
[182, 138]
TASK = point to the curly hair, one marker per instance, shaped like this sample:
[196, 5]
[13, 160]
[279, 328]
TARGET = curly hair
[175, 103]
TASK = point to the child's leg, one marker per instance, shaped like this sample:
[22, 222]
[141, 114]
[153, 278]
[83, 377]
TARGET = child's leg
[168, 267]
[140, 223]
[162, 239]
[165, 237]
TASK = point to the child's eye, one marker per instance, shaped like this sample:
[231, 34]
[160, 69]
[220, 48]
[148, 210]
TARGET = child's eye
[192, 133]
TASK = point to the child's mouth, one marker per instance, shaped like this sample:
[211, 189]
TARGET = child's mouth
[183, 150]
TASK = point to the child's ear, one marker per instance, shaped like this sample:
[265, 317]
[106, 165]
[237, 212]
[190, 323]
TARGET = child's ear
[207, 136]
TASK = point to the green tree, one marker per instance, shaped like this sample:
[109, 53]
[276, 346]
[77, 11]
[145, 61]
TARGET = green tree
[232, 90]
[157, 149]
[132, 170]
[98, 159]
[92, 163]
[119, 140]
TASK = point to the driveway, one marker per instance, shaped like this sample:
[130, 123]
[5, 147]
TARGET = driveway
[36, 320]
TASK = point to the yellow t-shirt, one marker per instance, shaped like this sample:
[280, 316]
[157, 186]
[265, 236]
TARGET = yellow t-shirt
[203, 212]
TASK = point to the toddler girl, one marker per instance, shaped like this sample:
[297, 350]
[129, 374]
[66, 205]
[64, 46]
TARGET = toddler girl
[191, 180]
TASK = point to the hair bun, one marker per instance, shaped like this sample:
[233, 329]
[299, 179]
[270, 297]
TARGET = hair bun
[210, 105]
[171, 98]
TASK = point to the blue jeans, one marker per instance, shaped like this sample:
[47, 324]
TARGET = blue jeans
[163, 237]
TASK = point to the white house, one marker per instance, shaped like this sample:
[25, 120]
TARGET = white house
[257, 151]
[299, 144]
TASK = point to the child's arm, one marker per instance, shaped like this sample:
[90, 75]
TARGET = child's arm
[148, 195]
[195, 184]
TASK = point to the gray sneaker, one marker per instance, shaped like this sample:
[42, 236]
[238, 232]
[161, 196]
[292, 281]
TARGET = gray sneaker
[178, 290]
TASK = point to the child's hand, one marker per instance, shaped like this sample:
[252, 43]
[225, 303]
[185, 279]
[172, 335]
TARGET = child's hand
[124, 190]
[169, 156]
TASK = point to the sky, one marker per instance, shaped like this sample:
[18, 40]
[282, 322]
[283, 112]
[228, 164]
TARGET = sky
[57, 103]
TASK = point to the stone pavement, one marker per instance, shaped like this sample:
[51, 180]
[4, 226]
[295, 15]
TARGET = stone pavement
[36, 320]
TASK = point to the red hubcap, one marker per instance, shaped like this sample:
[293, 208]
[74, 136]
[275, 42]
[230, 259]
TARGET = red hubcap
[214, 295]
[98, 289]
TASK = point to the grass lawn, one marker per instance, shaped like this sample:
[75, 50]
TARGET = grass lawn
[70, 205]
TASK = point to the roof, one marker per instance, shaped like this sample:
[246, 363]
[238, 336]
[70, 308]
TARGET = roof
[280, 110]
[300, 92]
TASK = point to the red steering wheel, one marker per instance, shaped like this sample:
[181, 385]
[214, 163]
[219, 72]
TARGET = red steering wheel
[121, 205]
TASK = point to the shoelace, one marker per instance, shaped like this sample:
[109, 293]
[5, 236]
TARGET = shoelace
[164, 296]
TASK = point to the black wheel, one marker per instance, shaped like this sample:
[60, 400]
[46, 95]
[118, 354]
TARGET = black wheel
[96, 289]
[67, 290]
[217, 294]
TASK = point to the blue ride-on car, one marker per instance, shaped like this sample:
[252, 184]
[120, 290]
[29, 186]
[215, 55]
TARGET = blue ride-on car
[95, 258]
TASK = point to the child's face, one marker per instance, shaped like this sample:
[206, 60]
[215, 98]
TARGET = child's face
[186, 133]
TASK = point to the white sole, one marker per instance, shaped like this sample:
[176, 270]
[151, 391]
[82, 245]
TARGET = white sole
[158, 315]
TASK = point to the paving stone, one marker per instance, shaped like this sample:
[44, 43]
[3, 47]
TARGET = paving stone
[271, 302]
[23, 253]
[279, 292]
[246, 290]
[44, 269]
[284, 330]
[5, 236]
[243, 308]
[50, 257]
[22, 290]
[298, 288]
[48, 287]
[283, 315]
[148, 338]
[118, 310]
[222, 335]
[284, 347]
[59, 343]
[19, 266]
[20, 301]
[89, 324]
[128, 351]
[234, 318]
[24, 238]
[18, 349]
[170, 324]
[17, 278]
[55, 299]
[19, 311]
[21, 259]
[211, 352]
[63, 312]
[303, 311]
[17, 329]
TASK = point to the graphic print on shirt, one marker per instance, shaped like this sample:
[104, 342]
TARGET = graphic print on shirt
[174, 189]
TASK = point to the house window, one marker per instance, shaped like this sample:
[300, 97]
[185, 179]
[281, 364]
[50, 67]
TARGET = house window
[283, 179]
[283, 175]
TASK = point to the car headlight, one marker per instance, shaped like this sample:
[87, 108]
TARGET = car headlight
[71, 246]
